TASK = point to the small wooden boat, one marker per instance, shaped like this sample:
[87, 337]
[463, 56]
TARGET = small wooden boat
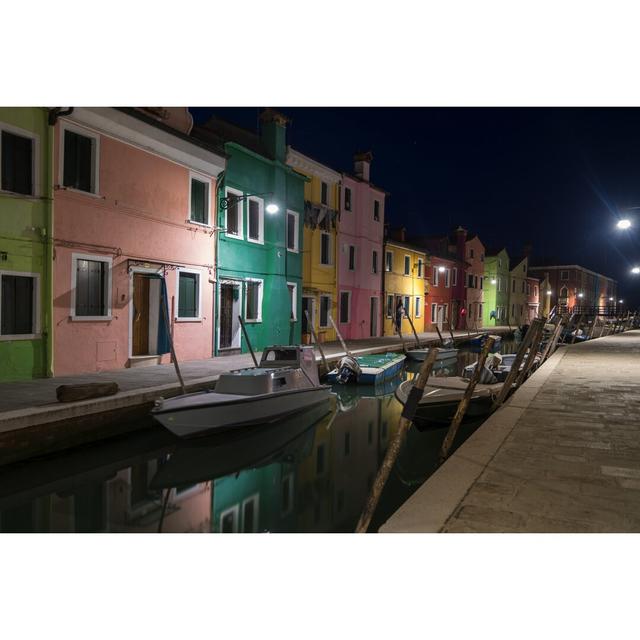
[370, 369]
[421, 354]
[285, 382]
[478, 341]
[442, 396]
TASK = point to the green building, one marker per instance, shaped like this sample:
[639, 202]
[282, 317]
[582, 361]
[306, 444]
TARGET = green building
[26, 206]
[496, 288]
[259, 248]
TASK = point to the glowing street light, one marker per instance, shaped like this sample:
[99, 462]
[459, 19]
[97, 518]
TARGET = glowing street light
[441, 269]
[581, 295]
[610, 299]
[272, 207]
[625, 223]
[620, 301]
[635, 270]
[548, 292]
[493, 281]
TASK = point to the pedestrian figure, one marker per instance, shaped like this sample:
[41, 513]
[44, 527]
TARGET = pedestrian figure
[399, 314]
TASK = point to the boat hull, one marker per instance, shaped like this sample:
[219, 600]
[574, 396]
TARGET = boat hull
[373, 374]
[421, 354]
[186, 420]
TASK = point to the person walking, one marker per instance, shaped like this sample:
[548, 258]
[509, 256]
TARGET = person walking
[399, 315]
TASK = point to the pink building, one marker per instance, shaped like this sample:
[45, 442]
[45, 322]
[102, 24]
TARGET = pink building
[360, 256]
[134, 205]
[533, 298]
[474, 280]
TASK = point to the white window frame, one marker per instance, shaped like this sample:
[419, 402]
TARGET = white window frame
[329, 250]
[255, 498]
[436, 278]
[35, 159]
[74, 268]
[348, 320]
[445, 312]
[95, 159]
[406, 302]
[294, 302]
[197, 272]
[454, 277]
[417, 306]
[389, 295]
[207, 183]
[260, 202]
[235, 192]
[235, 509]
[35, 318]
[296, 247]
[388, 265]
[434, 312]
[564, 271]
[260, 281]
[323, 295]
[404, 266]
[374, 254]
[373, 216]
[499, 279]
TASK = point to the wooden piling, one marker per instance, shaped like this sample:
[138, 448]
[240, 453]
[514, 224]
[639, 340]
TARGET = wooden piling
[439, 335]
[575, 332]
[533, 352]
[315, 341]
[394, 446]
[340, 338]
[414, 332]
[464, 402]
[176, 365]
[553, 340]
[246, 337]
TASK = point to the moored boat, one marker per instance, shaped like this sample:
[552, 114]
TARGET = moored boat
[285, 382]
[371, 369]
[478, 341]
[421, 354]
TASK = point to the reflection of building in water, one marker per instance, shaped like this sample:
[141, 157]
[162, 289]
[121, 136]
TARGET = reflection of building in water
[107, 498]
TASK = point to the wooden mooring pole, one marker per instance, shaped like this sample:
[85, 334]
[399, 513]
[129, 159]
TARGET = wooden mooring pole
[246, 337]
[171, 347]
[464, 402]
[340, 338]
[533, 352]
[575, 333]
[553, 340]
[414, 332]
[439, 335]
[393, 450]
[315, 341]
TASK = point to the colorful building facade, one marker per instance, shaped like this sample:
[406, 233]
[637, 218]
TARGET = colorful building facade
[405, 268]
[134, 248]
[26, 144]
[442, 275]
[259, 272]
[474, 281]
[496, 288]
[533, 298]
[518, 314]
[360, 245]
[319, 244]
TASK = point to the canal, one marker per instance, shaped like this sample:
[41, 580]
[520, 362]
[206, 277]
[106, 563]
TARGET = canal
[309, 473]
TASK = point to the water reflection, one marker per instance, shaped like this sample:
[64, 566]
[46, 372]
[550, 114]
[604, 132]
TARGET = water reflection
[309, 473]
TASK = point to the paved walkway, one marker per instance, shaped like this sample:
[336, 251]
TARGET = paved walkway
[563, 455]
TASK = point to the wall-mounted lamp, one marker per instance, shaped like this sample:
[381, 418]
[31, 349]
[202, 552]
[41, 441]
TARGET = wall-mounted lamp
[232, 199]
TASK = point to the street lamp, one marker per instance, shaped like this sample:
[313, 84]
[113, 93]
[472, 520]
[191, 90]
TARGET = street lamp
[232, 199]
[625, 223]
[548, 292]
[620, 301]
[441, 269]
[635, 270]
[272, 207]
[581, 295]
[493, 281]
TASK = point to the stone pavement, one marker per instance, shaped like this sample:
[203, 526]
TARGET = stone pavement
[563, 455]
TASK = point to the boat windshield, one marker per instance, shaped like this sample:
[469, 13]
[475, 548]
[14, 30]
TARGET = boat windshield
[280, 355]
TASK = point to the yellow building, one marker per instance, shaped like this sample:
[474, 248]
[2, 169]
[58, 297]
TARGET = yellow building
[405, 267]
[319, 247]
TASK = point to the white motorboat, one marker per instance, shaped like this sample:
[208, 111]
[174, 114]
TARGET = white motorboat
[285, 382]
[421, 354]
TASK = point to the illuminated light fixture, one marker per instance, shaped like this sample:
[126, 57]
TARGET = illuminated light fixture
[548, 292]
[625, 223]
[635, 270]
[610, 299]
[441, 269]
[580, 295]
[620, 301]
[272, 207]
[493, 281]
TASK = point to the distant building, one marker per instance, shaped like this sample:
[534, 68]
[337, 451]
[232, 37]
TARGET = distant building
[442, 277]
[474, 255]
[518, 301]
[496, 288]
[533, 298]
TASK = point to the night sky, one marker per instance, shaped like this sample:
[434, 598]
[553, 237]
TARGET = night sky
[552, 177]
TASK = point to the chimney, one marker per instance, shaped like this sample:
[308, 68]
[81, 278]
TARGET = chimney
[461, 238]
[362, 165]
[274, 133]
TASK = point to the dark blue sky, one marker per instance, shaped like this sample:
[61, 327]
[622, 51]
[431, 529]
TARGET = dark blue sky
[554, 177]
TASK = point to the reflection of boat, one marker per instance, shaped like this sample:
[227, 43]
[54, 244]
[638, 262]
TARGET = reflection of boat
[349, 395]
[373, 369]
[285, 382]
[219, 455]
[478, 341]
[442, 395]
[421, 354]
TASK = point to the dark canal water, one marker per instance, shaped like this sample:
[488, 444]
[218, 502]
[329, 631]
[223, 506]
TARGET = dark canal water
[310, 473]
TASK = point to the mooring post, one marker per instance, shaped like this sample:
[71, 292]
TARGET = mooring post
[531, 358]
[246, 337]
[342, 342]
[553, 340]
[575, 332]
[515, 367]
[464, 402]
[414, 331]
[315, 341]
[453, 340]
[415, 395]
[440, 336]
[171, 346]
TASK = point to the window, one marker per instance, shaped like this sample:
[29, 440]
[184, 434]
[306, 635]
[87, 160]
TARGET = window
[482, 257]
[563, 292]
[388, 264]
[475, 282]
[513, 310]
[528, 289]
[418, 306]
[499, 283]
[455, 276]
[500, 263]
[293, 231]
[188, 295]
[80, 161]
[513, 287]
[471, 252]
[407, 306]
[389, 306]
[325, 309]
[445, 312]
[324, 191]
[374, 265]
[199, 200]
[293, 300]
[435, 276]
[250, 512]
[233, 213]
[434, 312]
[229, 520]
[535, 289]
[19, 305]
[325, 248]
[255, 220]
[447, 276]
[376, 210]
[564, 275]
[470, 280]
[352, 258]
[347, 198]
[481, 281]
[522, 287]
[345, 304]
[407, 265]
[419, 267]
[480, 311]
[18, 162]
[253, 302]
[90, 287]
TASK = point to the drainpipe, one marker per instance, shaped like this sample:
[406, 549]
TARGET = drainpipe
[219, 185]
[47, 329]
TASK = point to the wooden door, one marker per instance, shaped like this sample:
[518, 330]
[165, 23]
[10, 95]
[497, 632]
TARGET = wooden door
[226, 316]
[373, 318]
[140, 346]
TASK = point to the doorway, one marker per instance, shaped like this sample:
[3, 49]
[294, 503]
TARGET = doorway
[229, 330]
[373, 318]
[145, 320]
[308, 305]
